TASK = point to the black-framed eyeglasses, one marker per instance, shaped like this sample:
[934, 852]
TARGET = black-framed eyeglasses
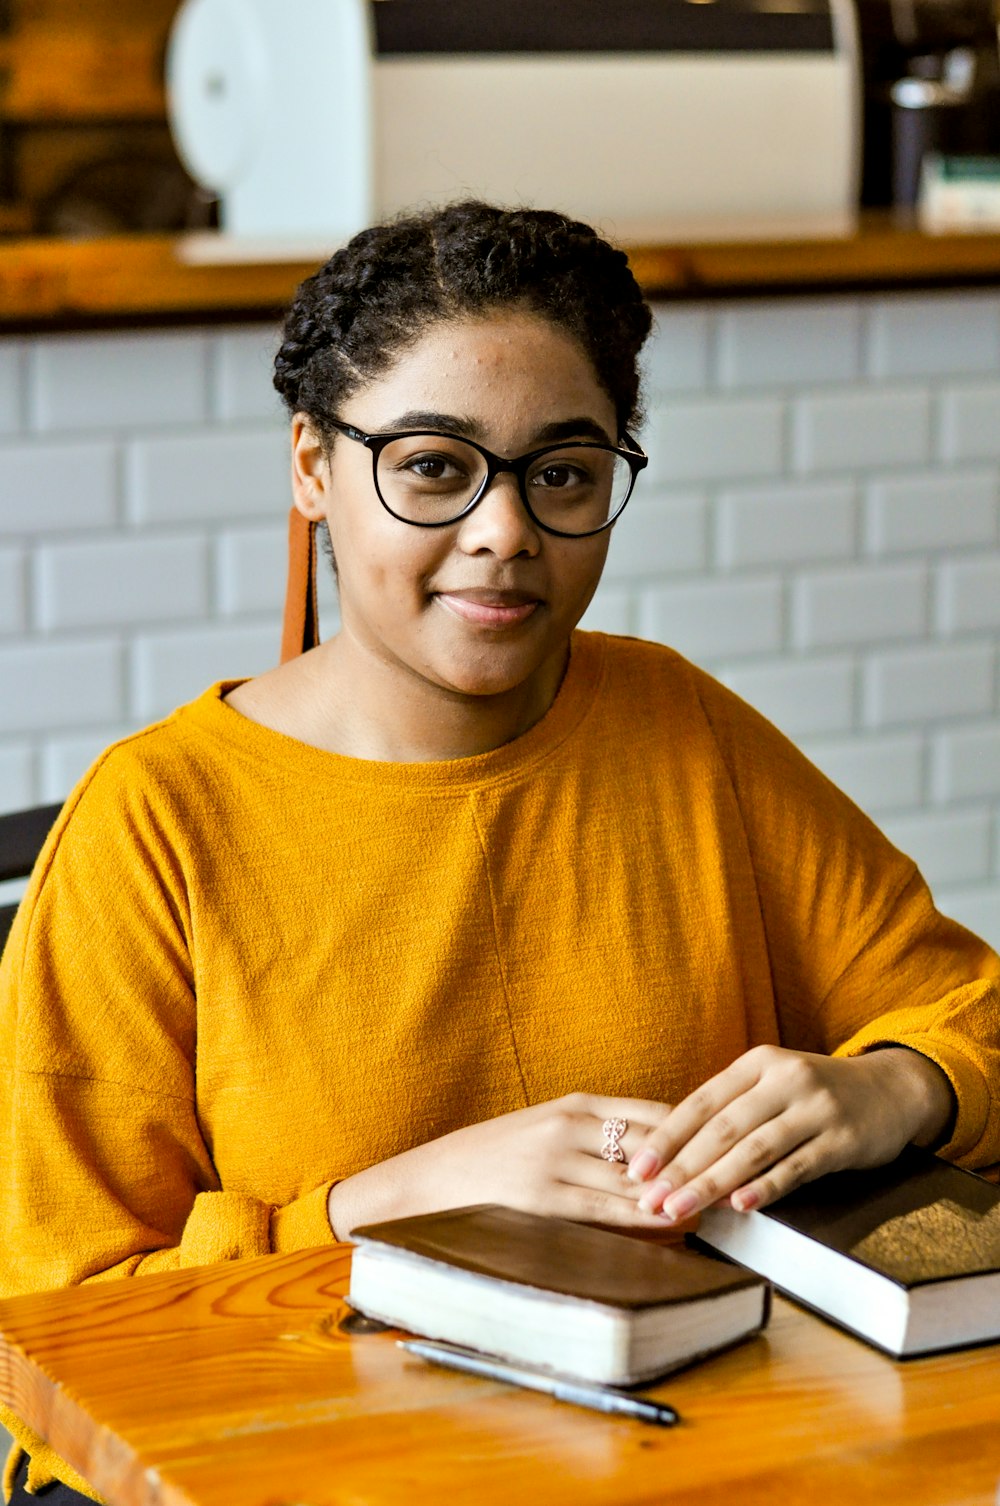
[430, 479]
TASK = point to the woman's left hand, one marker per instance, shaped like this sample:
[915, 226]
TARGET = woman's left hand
[777, 1118]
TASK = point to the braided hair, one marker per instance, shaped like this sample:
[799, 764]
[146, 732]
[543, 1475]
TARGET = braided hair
[375, 296]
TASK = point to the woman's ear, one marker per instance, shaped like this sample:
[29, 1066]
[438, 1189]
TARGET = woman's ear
[310, 470]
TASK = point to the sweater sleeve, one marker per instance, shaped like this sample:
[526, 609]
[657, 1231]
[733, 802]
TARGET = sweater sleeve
[860, 956]
[106, 1169]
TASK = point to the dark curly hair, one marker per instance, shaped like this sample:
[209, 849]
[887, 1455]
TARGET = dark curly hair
[376, 296]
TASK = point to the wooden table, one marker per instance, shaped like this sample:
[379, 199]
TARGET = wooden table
[235, 1384]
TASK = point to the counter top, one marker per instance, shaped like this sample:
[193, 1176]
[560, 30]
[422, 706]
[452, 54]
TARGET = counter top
[143, 279]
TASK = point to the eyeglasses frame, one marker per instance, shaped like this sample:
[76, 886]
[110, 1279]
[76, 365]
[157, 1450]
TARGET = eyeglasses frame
[496, 465]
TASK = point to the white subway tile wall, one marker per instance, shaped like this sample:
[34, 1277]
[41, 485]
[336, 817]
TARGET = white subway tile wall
[13, 596]
[207, 476]
[17, 776]
[121, 582]
[928, 511]
[55, 486]
[819, 526]
[970, 415]
[782, 524]
[908, 685]
[169, 667]
[714, 438]
[11, 386]
[764, 345]
[968, 594]
[934, 336]
[860, 604]
[864, 427]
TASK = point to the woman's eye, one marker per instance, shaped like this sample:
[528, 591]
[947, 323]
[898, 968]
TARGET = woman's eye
[432, 468]
[559, 476]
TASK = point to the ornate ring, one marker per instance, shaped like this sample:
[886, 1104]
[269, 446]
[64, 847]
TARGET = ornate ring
[612, 1130]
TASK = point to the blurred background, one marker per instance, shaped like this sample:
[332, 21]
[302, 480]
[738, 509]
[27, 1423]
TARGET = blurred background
[85, 148]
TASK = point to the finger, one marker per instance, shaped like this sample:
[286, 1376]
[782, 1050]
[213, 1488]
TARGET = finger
[608, 1142]
[813, 1159]
[784, 1138]
[641, 1110]
[595, 1205]
[582, 1169]
[678, 1127]
[591, 1116]
[742, 1132]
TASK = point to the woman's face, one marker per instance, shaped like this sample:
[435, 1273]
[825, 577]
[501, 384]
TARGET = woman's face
[484, 605]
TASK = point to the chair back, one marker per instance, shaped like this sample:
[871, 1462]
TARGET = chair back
[22, 835]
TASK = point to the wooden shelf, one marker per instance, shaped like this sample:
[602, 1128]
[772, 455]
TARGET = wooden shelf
[57, 72]
[132, 280]
[882, 254]
[135, 280]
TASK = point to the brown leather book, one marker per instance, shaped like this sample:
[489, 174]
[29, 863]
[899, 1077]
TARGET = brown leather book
[570, 1298]
[906, 1256]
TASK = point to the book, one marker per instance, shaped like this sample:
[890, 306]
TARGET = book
[563, 1296]
[906, 1255]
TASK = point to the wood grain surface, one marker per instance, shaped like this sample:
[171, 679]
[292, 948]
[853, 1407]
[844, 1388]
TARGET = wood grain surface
[236, 1384]
[143, 278]
[55, 283]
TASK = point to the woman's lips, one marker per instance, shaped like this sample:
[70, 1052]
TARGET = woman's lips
[495, 609]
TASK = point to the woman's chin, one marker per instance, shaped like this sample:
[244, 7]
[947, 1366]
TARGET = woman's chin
[519, 678]
[482, 685]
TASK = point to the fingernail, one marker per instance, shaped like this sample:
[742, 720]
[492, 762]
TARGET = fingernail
[642, 1165]
[745, 1199]
[654, 1195]
[679, 1206]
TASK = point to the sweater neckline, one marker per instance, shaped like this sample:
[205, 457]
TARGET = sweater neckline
[574, 699]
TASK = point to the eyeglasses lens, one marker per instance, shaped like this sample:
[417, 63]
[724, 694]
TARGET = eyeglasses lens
[427, 478]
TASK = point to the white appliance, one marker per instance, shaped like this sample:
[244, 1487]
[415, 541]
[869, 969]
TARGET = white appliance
[312, 118]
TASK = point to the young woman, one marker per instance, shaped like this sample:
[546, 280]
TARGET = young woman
[463, 905]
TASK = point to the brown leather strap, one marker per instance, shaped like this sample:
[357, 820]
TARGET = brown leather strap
[300, 630]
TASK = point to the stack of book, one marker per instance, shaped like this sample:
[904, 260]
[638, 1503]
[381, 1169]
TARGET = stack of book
[907, 1256]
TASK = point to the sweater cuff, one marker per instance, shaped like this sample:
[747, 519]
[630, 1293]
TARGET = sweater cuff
[972, 1095]
[302, 1224]
[225, 1226]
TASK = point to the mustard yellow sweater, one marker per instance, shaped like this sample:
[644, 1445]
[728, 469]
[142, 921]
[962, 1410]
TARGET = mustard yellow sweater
[245, 968]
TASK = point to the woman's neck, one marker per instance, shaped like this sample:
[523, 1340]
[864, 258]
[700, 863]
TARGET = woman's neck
[343, 699]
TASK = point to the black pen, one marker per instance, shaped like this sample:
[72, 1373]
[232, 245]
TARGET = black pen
[579, 1393]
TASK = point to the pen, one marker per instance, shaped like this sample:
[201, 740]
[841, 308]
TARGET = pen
[579, 1393]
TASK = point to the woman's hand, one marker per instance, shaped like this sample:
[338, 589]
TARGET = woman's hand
[543, 1159]
[777, 1118]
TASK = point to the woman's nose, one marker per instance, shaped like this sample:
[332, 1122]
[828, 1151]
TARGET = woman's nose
[500, 522]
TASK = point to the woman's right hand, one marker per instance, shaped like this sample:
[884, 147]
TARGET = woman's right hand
[543, 1159]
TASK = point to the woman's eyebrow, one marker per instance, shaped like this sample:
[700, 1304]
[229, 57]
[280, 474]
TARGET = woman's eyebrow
[471, 428]
[426, 418]
[575, 428]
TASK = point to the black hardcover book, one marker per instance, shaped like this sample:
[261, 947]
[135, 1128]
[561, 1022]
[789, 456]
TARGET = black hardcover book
[905, 1255]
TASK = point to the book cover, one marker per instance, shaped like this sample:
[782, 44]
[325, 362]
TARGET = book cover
[558, 1256]
[917, 1220]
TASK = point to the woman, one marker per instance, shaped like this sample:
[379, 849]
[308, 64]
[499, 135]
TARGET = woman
[461, 906]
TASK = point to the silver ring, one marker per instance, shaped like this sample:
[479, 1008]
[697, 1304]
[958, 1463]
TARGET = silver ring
[612, 1130]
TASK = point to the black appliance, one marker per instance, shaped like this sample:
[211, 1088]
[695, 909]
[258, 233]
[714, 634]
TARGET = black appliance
[932, 84]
